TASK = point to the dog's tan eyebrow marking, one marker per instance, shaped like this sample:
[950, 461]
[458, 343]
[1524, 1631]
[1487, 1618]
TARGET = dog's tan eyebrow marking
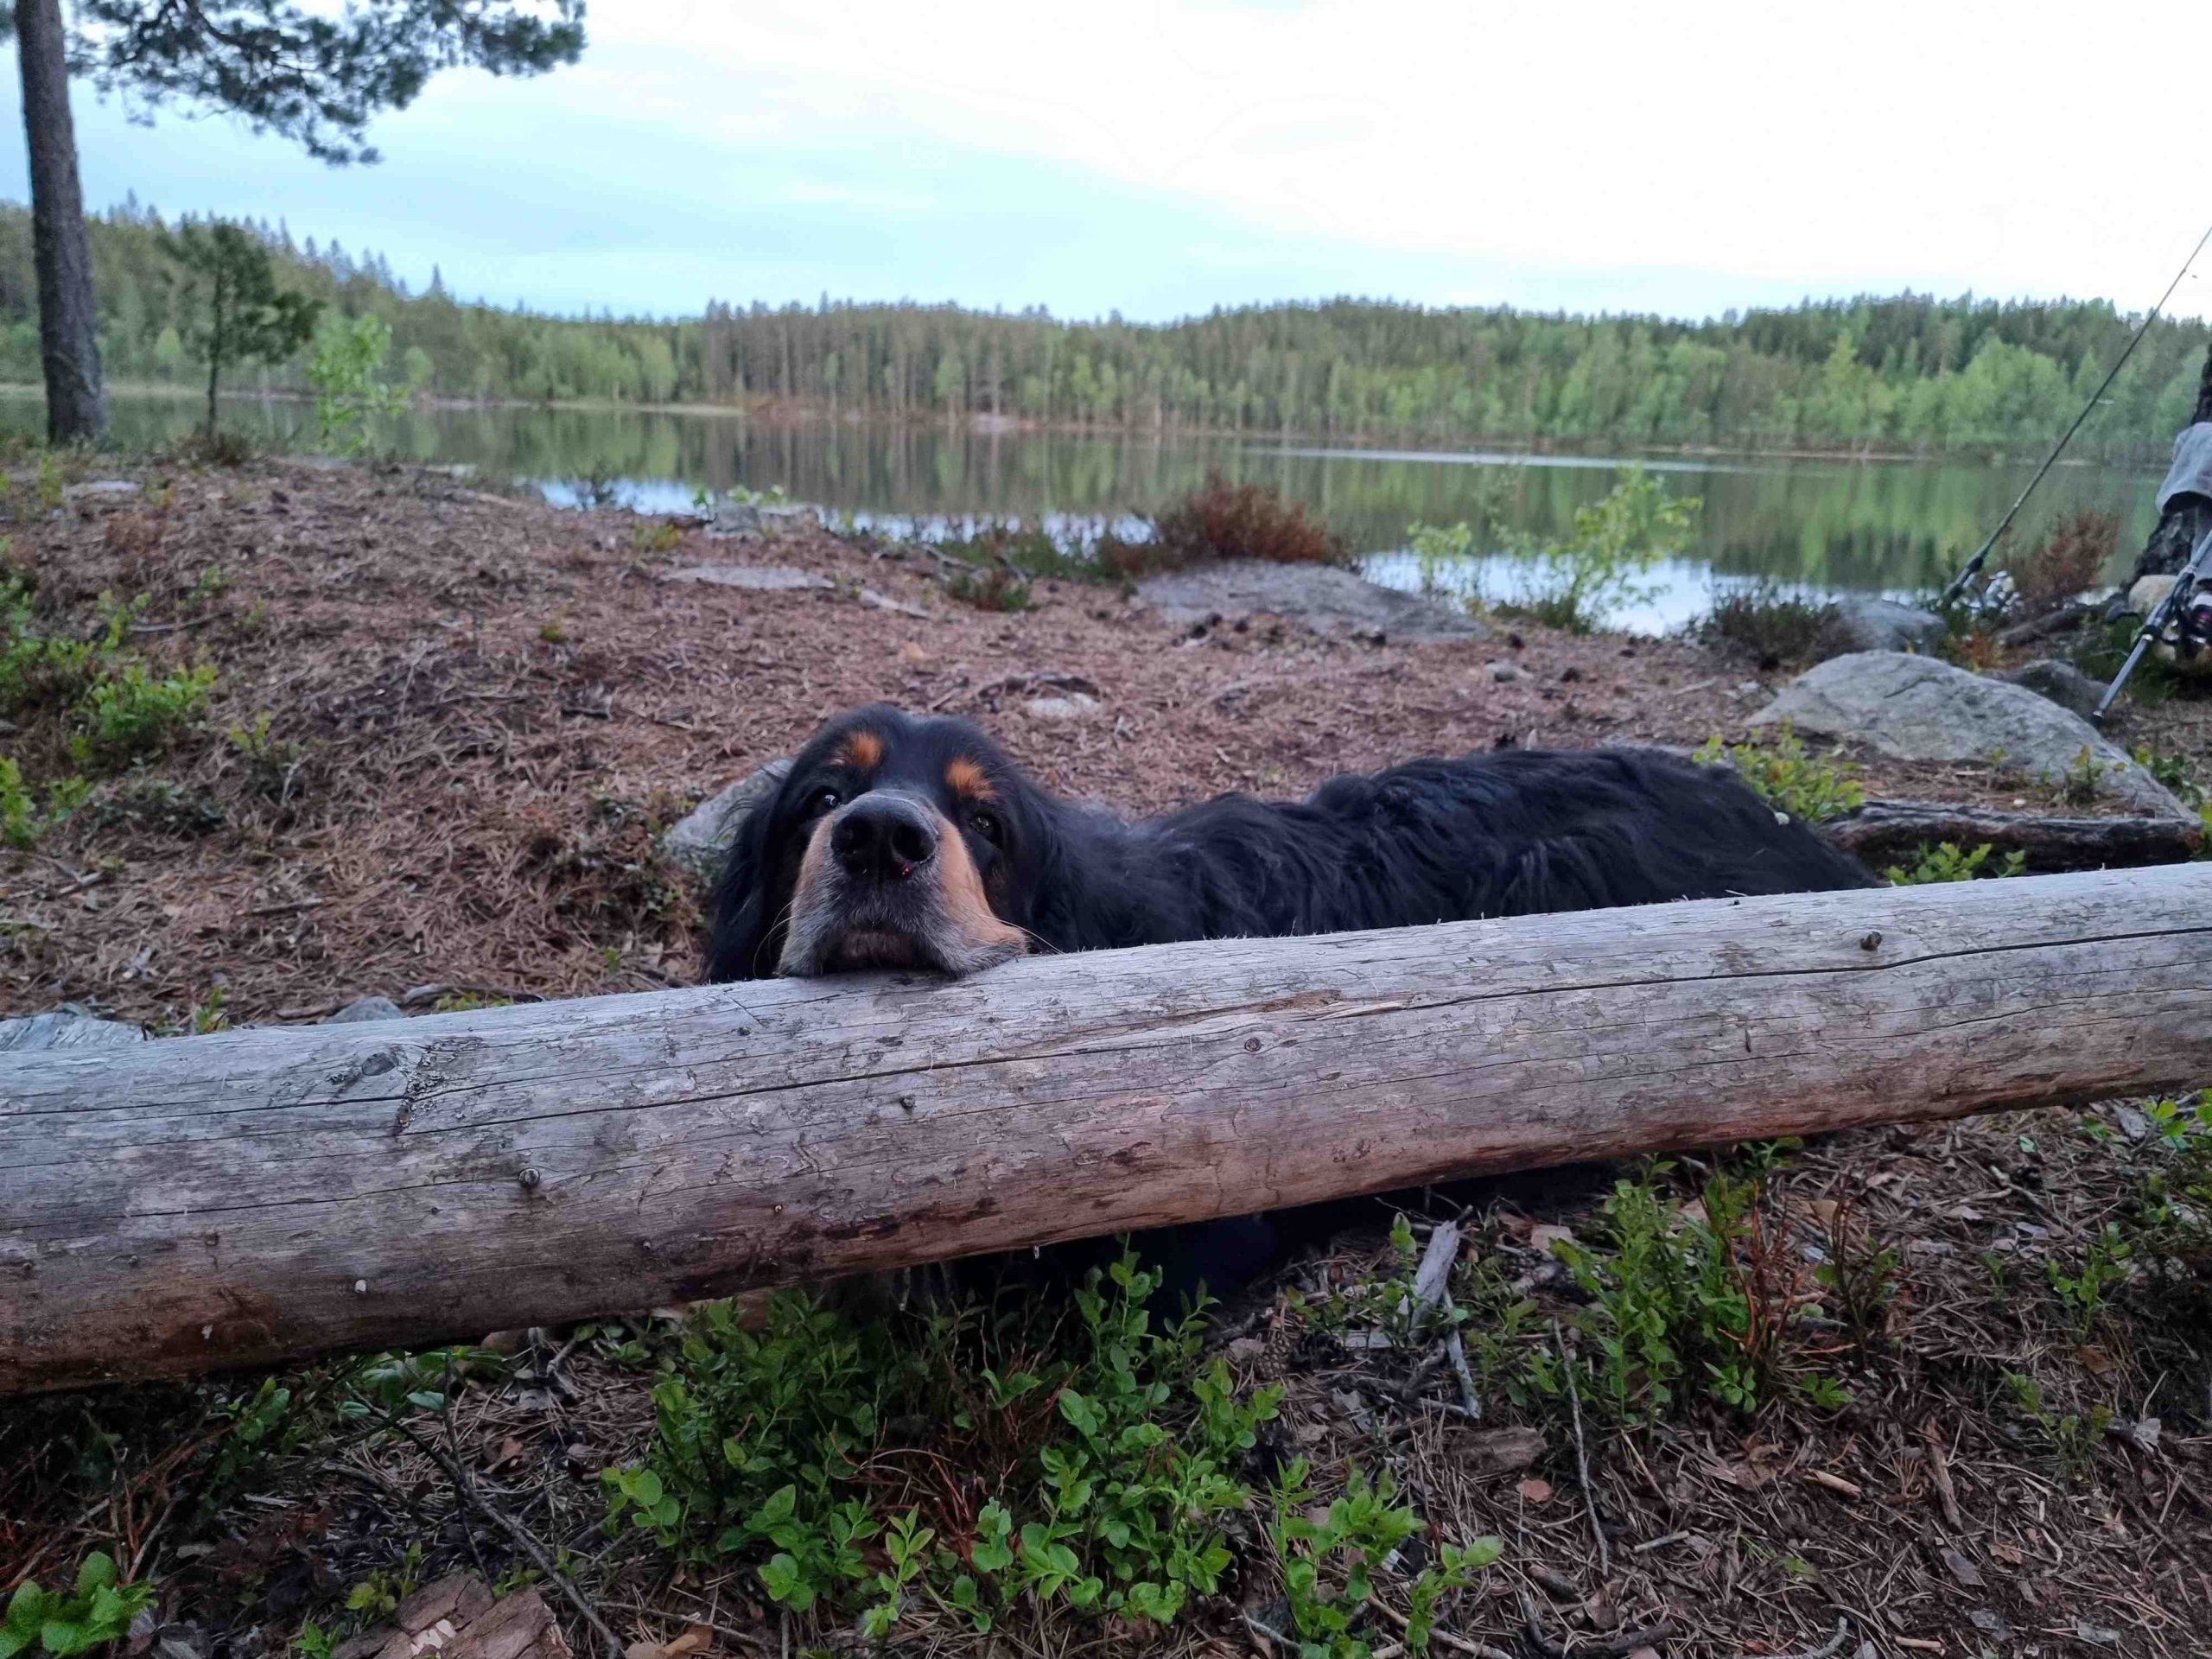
[861, 750]
[965, 778]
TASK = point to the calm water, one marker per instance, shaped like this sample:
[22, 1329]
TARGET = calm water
[1817, 525]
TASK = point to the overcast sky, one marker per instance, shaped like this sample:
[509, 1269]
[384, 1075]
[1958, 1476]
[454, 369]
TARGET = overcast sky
[1163, 159]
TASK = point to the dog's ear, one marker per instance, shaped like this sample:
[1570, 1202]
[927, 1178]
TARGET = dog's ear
[746, 912]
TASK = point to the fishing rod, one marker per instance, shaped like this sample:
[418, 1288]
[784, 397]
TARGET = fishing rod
[1973, 566]
[2196, 620]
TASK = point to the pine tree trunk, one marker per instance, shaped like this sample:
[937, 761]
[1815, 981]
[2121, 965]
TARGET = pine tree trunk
[76, 406]
[214, 351]
[2187, 516]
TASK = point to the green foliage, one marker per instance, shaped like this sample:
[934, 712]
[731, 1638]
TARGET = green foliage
[313, 77]
[1947, 861]
[377, 1597]
[2073, 1437]
[1102, 1472]
[239, 315]
[1601, 566]
[1329, 1564]
[1776, 628]
[2173, 771]
[990, 588]
[345, 373]
[1781, 771]
[2081, 783]
[1702, 1296]
[97, 1611]
[23, 821]
[2083, 1292]
[272, 763]
[2169, 1228]
[133, 711]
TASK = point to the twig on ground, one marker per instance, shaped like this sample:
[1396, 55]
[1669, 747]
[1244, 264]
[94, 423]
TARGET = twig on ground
[523, 1539]
[1939, 1471]
[1581, 1454]
[1457, 1643]
[1538, 1637]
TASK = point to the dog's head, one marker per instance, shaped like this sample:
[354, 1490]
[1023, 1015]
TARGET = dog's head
[894, 842]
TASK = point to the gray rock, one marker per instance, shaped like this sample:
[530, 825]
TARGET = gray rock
[65, 1027]
[701, 840]
[1073, 706]
[754, 578]
[1324, 598]
[1869, 622]
[1918, 708]
[2063, 683]
[101, 487]
[366, 1008]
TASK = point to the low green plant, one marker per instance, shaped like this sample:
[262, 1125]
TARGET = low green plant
[134, 711]
[2081, 782]
[1947, 861]
[1329, 1563]
[1782, 773]
[1099, 1459]
[2073, 1436]
[96, 1611]
[2084, 1292]
[2174, 772]
[377, 1596]
[1437, 549]
[206, 1014]
[1685, 1298]
[147, 801]
[272, 763]
[661, 538]
[23, 821]
[990, 588]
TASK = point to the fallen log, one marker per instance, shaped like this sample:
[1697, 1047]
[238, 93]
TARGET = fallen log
[1882, 833]
[265, 1195]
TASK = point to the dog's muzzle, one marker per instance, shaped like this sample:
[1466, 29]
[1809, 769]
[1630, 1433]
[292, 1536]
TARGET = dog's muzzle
[886, 882]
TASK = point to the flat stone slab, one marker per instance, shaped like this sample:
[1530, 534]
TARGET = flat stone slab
[1917, 709]
[1324, 598]
[754, 578]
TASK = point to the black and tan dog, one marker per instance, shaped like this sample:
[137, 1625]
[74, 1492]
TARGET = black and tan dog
[896, 842]
[899, 842]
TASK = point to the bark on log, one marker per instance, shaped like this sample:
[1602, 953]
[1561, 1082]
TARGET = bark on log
[1888, 832]
[264, 1195]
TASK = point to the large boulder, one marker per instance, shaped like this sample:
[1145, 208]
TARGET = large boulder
[700, 842]
[1917, 709]
[1869, 622]
[1323, 597]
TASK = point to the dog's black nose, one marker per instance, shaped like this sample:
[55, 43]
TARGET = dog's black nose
[883, 838]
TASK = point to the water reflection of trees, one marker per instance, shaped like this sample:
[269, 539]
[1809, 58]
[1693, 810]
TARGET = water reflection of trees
[1823, 523]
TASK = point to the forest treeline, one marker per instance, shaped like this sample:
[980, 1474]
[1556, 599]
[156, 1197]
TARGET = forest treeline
[1908, 372]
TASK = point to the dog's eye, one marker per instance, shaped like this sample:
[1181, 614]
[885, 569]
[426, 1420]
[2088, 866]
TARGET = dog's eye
[987, 825]
[822, 800]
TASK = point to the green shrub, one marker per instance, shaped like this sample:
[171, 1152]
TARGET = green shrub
[1685, 1298]
[1601, 566]
[346, 372]
[1329, 1564]
[97, 1611]
[134, 712]
[1781, 770]
[1104, 1474]
[1947, 861]
[23, 823]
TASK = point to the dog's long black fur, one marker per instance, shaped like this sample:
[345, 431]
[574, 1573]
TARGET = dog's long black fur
[1512, 832]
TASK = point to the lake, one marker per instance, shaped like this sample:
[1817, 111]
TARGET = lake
[1812, 525]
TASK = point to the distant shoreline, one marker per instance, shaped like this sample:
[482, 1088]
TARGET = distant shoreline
[779, 412]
